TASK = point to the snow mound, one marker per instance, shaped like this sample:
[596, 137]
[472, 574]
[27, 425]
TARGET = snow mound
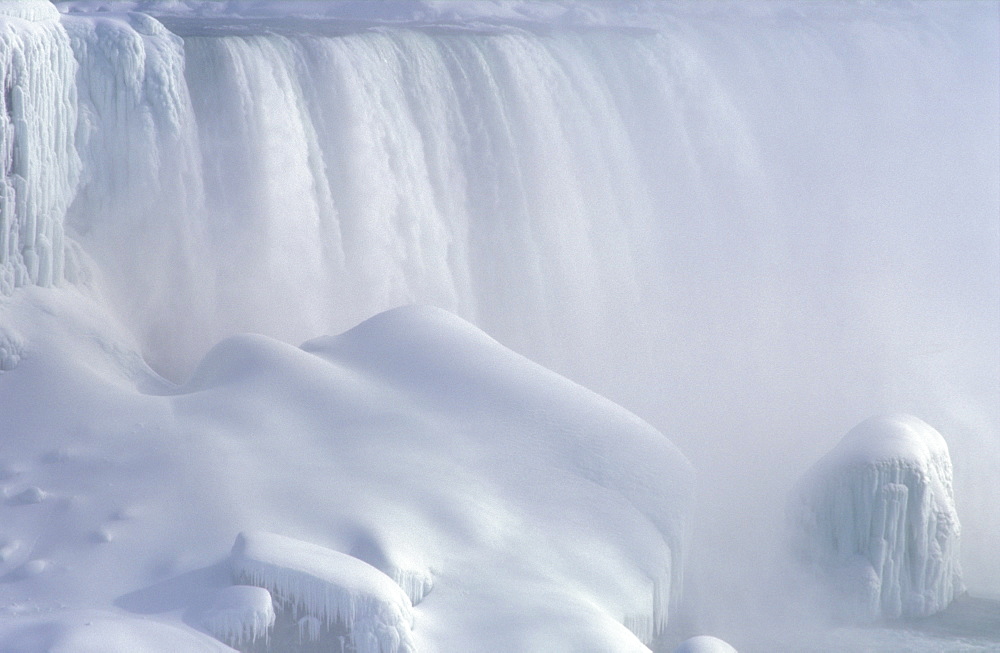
[327, 591]
[876, 516]
[241, 614]
[532, 509]
[98, 631]
[704, 644]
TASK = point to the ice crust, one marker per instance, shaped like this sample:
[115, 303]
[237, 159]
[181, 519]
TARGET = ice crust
[327, 590]
[877, 518]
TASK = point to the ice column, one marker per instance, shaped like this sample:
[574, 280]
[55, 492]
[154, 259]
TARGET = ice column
[37, 125]
[876, 519]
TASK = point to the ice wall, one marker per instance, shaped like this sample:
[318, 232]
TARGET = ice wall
[37, 129]
[877, 518]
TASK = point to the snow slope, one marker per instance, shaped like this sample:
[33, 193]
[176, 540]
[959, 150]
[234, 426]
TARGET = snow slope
[877, 517]
[530, 513]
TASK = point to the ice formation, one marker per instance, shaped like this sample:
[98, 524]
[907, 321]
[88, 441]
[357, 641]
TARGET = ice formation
[876, 517]
[704, 644]
[38, 156]
[240, 614]
[565, 176]
[327, 591]
[11, 350]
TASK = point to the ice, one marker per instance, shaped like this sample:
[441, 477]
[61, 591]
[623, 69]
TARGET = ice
[327, 591]
[704, 644]
[877, 516]
[651, 198]
[240, 614]
[37, 144]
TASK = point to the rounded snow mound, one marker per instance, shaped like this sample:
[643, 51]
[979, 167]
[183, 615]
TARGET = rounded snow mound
[895, 437]
[875, 519]
[704, 644]
[423, 447]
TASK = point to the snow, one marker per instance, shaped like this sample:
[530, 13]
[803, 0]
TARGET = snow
[877, 514]
[650, 198]
[412, 448]
[339, 591]
[240, 614]
[704, 644]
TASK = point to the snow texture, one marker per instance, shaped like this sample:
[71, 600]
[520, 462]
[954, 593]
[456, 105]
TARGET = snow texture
[876, 516]
[704, 644]
[327, 591]
[240, 615]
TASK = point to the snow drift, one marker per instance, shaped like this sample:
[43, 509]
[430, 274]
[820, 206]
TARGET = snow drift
[413, 448]
[877, 517]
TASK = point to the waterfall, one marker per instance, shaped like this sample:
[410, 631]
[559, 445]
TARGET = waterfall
[754, 227]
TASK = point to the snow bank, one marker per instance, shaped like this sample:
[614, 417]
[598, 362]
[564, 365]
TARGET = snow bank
[327, 591]
[876, 517]
[704, 644]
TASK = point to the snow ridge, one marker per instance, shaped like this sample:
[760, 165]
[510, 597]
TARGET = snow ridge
[327, 591]
[877, 516]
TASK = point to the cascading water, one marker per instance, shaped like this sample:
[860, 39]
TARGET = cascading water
[754, 226]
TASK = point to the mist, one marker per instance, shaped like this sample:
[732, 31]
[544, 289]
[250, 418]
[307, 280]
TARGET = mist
[754, 225]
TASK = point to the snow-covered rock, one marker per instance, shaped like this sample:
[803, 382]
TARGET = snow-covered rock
[240, 614]
[329, 594]
[704, 644]
[876, 517]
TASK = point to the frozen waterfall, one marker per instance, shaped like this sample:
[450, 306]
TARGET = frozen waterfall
[750, 223]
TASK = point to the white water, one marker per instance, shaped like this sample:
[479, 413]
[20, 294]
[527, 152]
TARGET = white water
[752, 228]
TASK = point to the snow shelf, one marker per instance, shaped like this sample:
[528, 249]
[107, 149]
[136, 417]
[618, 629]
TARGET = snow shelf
[327, 591]
[876, 517]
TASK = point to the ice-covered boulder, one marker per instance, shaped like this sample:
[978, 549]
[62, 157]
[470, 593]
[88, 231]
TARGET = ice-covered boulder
[240, 615]
[704, 644]
[330, 595]
[876, 519]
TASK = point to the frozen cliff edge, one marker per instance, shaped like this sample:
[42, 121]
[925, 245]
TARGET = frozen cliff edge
[876, 518]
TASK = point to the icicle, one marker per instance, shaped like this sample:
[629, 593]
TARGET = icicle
[328, 592]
